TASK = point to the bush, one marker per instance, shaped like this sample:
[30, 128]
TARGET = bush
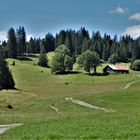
[13, 64]
[43, 60]
[135, 65]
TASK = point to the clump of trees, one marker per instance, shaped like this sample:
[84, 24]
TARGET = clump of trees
[16, 44]
[89, 60]
[135, 65]
[62, 61]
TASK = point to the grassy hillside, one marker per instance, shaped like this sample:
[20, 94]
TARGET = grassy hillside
[38, 88]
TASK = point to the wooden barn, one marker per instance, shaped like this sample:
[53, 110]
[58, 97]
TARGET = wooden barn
[116, 69]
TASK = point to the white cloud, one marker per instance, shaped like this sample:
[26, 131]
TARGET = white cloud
[135, 16]
[119, 10]
[28, 36]
[3, 35]
[133, 31]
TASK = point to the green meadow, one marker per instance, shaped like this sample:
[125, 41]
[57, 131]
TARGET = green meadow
[37, 89]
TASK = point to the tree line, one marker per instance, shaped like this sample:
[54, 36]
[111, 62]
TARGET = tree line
[125, 48]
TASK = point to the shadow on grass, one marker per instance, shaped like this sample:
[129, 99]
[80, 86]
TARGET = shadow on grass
[23, 58]
[68, 72]
[98, 74]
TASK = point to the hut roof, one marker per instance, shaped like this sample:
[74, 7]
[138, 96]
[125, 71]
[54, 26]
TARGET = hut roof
[118, 67]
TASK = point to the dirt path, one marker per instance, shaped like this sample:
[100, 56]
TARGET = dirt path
[54, 108]
[88, 105]
[131, 83]
[4, 128]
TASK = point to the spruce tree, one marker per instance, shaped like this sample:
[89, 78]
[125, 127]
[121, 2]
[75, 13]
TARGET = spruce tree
[21, 40]
[31, 46]
[6, 79]
[12, 44]
[50, 42]
[68, 42]
[43, 60]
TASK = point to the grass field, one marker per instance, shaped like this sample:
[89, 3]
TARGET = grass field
[38, 88]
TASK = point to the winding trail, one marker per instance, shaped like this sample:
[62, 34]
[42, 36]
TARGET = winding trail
[131, 83]
[4, 128]
[81, 103]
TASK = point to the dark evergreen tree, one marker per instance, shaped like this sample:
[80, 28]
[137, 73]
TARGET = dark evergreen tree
[84, 45]
[21, 41]
[31, 46]
[37, 46]
[43, 60]
[6, 79]
[12, 44]
[60, 38]
[68, 42]
[50, 42]
[136, 50]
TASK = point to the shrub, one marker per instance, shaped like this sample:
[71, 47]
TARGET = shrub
[135, 65]
[13, 64]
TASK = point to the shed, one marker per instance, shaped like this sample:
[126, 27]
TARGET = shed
[116, 69]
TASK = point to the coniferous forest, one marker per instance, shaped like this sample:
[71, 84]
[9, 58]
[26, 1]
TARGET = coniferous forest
[125, 47]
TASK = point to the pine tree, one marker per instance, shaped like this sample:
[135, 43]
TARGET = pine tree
[12, 44]
[50, 42]
[60, 38]
[21, 40]
[43, 60]
[68, 42]
[31, 46]
[6, 79]
[85, 44]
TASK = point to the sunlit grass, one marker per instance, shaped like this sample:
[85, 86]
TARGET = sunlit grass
[37, 88]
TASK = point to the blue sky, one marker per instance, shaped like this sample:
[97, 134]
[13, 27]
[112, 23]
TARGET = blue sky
[42, 16]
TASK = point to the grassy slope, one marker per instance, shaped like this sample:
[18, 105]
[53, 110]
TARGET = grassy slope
[38, 88]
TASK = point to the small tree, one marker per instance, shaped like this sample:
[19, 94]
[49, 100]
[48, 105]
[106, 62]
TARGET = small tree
[57, 65]
[62, 60]
[43, 60]
[89, 60]
[12, 43]
[113, 59]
